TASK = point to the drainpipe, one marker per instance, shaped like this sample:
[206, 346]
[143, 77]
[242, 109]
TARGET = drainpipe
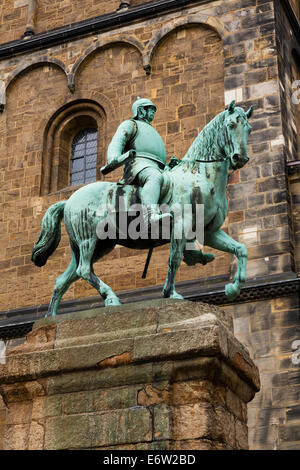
[30, 19]
[124, 5]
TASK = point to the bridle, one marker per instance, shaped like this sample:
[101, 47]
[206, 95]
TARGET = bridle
[216, 161]
[212, 161]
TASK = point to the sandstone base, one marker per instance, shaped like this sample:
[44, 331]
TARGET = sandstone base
[153, 375]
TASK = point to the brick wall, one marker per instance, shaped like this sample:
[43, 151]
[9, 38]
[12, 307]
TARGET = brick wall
[258, 197]
[50, 14]
[294, 179]
[187, 58]
[53, 14]
[284, 45]
[288, 66]
[2, 422]
[268, 329]
[12, 20]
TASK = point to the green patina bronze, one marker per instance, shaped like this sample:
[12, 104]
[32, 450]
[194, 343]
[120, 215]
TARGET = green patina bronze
[145, 150]
[200, 177]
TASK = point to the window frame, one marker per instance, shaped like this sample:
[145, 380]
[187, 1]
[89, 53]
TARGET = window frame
[58, 137]
[83, 135]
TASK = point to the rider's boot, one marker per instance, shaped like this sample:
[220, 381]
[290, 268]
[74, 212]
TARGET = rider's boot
[154, 216]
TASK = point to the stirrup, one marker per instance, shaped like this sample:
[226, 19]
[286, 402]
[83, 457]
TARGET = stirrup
[156, 216]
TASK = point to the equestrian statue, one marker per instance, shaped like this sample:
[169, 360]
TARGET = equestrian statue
[200, 178]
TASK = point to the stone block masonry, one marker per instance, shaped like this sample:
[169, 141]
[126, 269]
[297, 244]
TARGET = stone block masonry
[152, 375]
[269, 329]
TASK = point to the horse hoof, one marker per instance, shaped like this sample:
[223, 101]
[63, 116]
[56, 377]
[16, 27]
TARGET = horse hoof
[112, 302]
[232, 291]
[207, 258]
[176, 296]
[49, 315]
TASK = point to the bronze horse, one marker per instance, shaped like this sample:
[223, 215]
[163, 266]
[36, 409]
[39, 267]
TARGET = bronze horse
[201, 177]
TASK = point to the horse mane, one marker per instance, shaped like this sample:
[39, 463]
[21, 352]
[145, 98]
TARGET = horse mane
[205, 145]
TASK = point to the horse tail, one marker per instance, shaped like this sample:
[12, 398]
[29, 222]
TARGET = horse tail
[50, 234]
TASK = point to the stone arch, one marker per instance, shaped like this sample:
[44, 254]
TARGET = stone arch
[214, 23]
[102, 44]
[25, 67]
[58, 135]
[31, 65]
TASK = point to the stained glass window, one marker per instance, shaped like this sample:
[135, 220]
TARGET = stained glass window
[84, 157]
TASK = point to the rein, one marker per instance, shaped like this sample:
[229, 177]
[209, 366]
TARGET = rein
[215, 161]
[210, 161]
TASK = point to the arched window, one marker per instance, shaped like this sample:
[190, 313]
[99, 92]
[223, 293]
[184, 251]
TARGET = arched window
[83, 167]
[74, 146]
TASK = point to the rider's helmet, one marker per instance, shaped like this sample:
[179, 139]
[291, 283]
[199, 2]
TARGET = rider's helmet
[141, 102]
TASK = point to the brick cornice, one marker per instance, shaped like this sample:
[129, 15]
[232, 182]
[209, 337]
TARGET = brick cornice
[111, 21]
[99, 24]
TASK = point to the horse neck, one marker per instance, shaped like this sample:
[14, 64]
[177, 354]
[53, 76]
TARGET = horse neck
[208, 145]
[218, 175]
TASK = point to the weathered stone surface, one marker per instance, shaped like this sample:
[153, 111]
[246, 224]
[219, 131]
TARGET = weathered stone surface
[2, 424]
[99, 429]
[154, 391]
[153, 395]
[19, 413]
[195, 391]
[103, 378]
[46, 407]
[36, 436]
[205, 340]
[21, 391]
[225, 427]
[16, 437]
[241, 435]
[234, 404]
[116, 398]
[68, 432]
[121, 427]
[193, 422]
[162, 422]
[190, 336]
[39, 339]
[73, 403]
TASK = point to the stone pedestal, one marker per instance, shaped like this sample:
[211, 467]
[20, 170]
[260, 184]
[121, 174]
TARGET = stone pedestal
[152, 375]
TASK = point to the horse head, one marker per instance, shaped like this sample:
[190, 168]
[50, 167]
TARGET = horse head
[237, 130]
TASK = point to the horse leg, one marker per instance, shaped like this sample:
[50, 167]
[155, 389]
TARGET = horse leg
[176, 252]
[223, 242]
[62, 284]
[85, 271]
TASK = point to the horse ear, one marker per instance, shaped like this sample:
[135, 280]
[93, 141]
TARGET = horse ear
[249, 112]
[231, 107]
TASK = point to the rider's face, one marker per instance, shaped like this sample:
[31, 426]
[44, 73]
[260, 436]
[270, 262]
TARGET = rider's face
[150, 110]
